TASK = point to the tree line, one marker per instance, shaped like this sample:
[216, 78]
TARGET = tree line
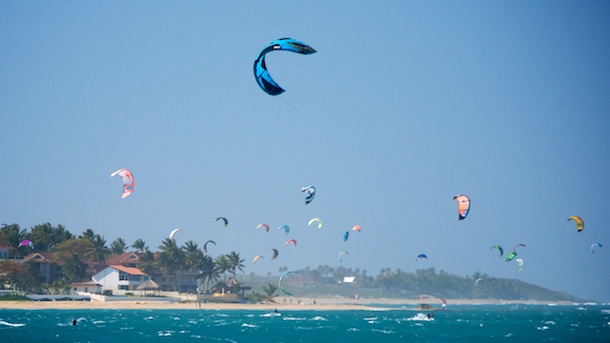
[78, 256]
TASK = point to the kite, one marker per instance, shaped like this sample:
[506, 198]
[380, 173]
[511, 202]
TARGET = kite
[26, 243]
[263, 225]
[310, 192]
[476, 283]
[260, 67]
[499, 248]
[580, 225]
[315, 220]
[285, 227]
[275, 253]
[345, 236]
[174, 231]
[281, 282]
[128, 181]
[294, 243]
[341, 254]
[513, 253]
[421, 256]
[356, 228]
[596, 244]
[256, 258]
[463, 205]
[205, 246]
[519, 264]
[225, 220]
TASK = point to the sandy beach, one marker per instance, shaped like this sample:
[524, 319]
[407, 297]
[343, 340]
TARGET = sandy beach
[310, 304]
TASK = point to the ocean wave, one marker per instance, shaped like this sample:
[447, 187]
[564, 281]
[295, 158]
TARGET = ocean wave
[11, 324]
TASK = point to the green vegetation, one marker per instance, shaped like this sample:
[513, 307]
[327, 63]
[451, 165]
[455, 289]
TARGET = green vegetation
[13, 297]
[78, 255]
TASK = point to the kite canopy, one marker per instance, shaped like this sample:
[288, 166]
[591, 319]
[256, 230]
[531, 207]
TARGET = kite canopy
[205, 246]
[345, 236]
[341, 254]
[511, 255]
[421, 256]
[294, 243]
[128, 181]
[256, 258]
[275, 253]
[356, 228]
[285, 227]
[463, 205]
[310, 192]
[263, 225]
[281, 282]
[580, 225]
[225, 220]
[174, 231]
[499, 249]
[26, 243]
[596, 244]
[261, 73]
[519, 264]
[315, 220]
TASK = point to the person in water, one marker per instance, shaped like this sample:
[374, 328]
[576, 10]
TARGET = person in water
[74, 321]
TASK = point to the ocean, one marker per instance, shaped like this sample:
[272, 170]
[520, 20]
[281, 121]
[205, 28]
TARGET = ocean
[457, 323]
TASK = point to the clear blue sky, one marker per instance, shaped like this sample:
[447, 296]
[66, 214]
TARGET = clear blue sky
[405, 104]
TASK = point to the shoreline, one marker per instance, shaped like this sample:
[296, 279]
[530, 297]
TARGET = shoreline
[306, 304]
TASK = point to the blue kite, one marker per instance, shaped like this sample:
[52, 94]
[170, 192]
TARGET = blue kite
[260, 68]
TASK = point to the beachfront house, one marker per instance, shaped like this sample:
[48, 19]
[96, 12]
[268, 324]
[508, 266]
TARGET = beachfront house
[45, 263]
[86, 287]
[120, 278]
[5, 251]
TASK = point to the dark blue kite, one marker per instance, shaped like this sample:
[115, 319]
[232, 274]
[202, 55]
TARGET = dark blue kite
[260, 68]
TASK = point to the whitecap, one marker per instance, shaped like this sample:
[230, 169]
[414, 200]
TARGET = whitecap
[246, 325]
[421, 317]
[319, 318]
[11, 324]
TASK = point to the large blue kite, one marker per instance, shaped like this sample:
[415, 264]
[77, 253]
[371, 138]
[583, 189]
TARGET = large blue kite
[260, 68]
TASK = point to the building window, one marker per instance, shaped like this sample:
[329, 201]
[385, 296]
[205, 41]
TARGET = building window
[123, 276]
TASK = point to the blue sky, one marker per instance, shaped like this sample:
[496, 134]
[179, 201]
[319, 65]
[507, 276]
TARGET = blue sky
[405, 105]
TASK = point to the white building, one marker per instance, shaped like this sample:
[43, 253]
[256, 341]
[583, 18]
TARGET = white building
[116, 278]
[86, 287]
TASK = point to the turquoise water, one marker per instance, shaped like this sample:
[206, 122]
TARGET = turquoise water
[458, 323]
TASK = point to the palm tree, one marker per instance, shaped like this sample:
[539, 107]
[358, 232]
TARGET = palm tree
[270, 290]
[222, 265]
[192, 259]
[12, 235]
[147, 262]
[235, 263]
[173, 256]
[88, 234]
[99, 251]
[43, 236]
[118, 246]
[139, 245]
[209, 271]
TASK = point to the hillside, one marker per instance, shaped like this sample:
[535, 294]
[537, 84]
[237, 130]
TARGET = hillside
[325, 281]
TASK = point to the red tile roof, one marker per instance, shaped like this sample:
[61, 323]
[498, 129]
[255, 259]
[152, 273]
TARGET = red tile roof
[128, 270]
